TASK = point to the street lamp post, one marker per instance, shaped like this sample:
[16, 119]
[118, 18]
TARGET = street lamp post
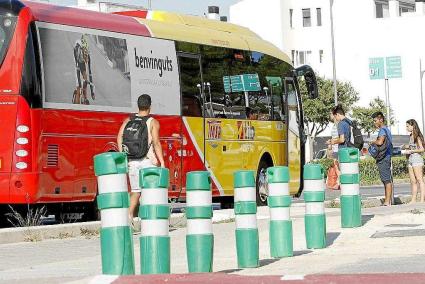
[421, 76]
[331, 2]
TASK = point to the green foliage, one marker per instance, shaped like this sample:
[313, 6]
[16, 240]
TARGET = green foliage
[363, 115]
[316, 112]
[369, 173]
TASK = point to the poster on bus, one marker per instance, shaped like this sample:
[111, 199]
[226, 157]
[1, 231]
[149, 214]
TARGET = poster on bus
[96, 70]
[154, 71]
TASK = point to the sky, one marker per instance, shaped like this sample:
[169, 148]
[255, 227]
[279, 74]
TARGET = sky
[193, 7]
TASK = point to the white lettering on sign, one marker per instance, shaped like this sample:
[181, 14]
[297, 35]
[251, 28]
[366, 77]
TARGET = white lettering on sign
[153, 68]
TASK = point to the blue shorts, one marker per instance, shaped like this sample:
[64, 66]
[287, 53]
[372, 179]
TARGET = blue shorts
[384, 167]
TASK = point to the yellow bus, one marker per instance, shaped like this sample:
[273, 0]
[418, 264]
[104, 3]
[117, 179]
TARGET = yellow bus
[241, 103]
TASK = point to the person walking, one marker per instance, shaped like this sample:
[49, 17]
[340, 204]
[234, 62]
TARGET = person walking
[414, 151]
[384, 164]
[332, 180]
[139, 138]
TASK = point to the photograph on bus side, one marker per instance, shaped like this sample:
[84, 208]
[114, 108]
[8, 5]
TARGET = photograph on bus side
[85, 69]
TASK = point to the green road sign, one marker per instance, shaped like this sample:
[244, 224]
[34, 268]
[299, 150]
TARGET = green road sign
[376, 68]
[393, 67]
[226, 83]
[237, 83]
[274, 81]
[251, 82]
[241, 83]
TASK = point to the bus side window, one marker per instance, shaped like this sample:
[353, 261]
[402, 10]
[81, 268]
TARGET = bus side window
[259, 106]
[191, 106]
[31, 74]
[214, 68]
[270, 71]
[190, 83]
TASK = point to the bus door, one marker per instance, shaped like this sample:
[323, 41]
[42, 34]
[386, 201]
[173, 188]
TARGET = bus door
[294, 153]
[192, 100]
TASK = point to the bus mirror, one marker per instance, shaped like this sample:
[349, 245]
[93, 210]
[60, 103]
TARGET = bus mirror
[310, 80]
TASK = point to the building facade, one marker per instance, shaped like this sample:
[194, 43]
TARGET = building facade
[363, 31]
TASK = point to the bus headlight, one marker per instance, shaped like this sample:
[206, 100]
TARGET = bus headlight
[21, 165]
[22, 141]
[23, 128]
[21, 153]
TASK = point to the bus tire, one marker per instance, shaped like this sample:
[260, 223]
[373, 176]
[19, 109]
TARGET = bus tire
[261, 181]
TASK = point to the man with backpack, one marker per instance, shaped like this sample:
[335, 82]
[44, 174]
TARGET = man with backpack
[381, 150]
[139, 138]
[349, 135]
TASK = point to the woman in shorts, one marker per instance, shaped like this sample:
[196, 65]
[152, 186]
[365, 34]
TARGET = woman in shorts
[414, 152]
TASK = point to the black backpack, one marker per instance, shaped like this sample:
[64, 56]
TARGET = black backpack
[356, 136]
[136, 138]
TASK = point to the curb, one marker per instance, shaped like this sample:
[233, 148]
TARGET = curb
[63, 231]
[370, 202]
[177, 220]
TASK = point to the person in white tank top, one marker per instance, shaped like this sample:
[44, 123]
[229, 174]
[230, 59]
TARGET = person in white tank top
[154, 158]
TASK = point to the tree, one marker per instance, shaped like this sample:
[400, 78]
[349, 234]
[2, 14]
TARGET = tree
[316, 111]
[363, 115]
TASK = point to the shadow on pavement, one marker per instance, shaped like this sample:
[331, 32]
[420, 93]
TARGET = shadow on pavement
[331, 237]
[230, 270]
[398, 201]
[302, 252]
[264, 262]
[366, 218]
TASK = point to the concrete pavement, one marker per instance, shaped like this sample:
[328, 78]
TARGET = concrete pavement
[391, 241]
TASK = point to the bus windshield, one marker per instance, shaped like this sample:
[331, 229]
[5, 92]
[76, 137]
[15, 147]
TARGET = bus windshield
[7, 27]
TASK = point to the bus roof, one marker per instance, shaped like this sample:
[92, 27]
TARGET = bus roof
[159, 24]
[200, 30]
[84, 18]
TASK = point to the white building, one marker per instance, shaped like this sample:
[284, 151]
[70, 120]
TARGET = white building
[363, 29]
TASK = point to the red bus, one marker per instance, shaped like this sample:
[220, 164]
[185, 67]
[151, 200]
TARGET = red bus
[69, 77]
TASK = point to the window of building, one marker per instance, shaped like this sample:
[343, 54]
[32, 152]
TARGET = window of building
[405, 10]
[379, 11]
[293, 56]
[319, 16]
[304, 57]
[306, 18]
[321, 56]
[301, 57]
[291, 13]
[382, 9]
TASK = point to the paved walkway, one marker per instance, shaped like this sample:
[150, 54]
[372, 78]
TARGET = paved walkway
[391, 241]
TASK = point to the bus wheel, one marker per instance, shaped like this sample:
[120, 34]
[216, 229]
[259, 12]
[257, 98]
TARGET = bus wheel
[262, 189]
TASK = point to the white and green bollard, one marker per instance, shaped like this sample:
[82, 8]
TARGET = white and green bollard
[314, 197]
[279, 202]
[113, 201]
[351, 202]
[199, 238]
[154, 213]
[247, 243]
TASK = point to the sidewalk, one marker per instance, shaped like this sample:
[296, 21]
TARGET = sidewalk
[391, 241]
